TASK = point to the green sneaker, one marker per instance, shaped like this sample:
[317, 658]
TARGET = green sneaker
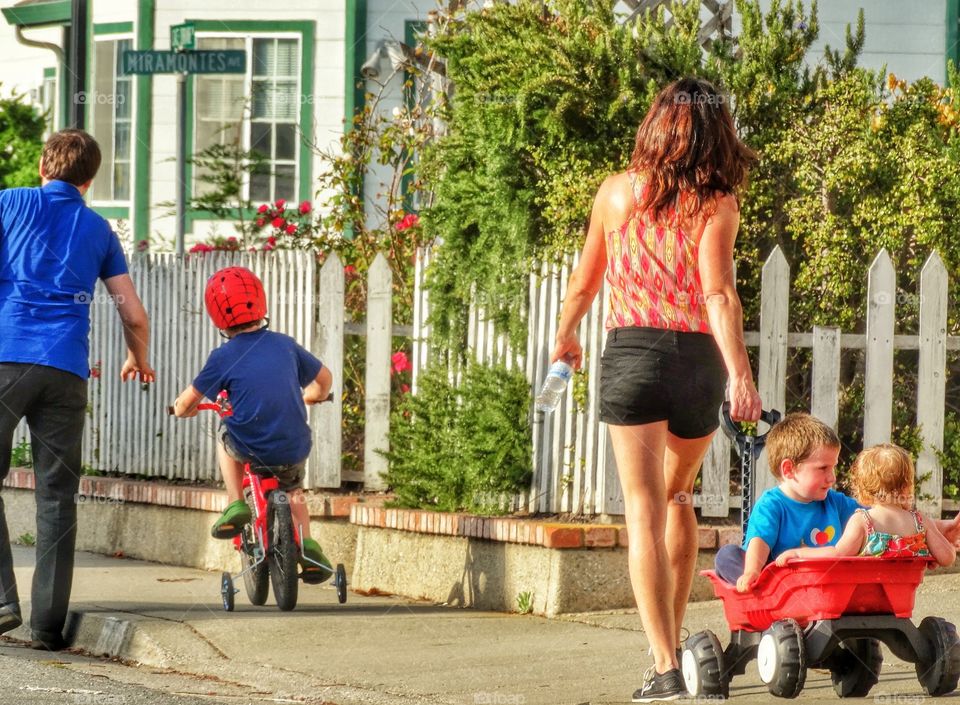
[312, 555]
[232, 521]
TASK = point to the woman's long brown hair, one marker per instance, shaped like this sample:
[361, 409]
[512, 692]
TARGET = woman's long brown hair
[688, 151]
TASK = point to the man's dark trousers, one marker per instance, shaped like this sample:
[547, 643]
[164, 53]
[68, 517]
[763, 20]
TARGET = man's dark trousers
[54, 403]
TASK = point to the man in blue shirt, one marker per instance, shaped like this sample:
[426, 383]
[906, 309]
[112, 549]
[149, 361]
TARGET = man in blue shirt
[52, 251]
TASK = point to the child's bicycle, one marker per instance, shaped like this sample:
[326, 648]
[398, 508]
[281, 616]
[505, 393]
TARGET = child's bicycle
[830, 613]
[271, 544]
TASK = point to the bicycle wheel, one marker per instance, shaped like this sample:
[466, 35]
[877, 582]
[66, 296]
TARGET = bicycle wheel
[254, 579]
[282, 555]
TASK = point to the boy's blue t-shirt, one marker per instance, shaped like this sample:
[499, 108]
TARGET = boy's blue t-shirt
[785, 523]
[53, 248]
[264, 374]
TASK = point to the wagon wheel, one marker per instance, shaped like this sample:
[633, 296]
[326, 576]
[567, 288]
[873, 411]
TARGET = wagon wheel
[855, 667]
[782, 659]
[702, 666]
[940, 676]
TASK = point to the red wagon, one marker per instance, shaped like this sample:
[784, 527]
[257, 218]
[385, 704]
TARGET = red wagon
[830, 613]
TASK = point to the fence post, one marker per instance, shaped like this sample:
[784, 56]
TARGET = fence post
[824, 398]
[878, 382]
[379, 347]
[774, 324]
[931, 384]
[421, 313]
[326, 419]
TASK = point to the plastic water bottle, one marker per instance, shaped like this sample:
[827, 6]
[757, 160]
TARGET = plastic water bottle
[553, 386]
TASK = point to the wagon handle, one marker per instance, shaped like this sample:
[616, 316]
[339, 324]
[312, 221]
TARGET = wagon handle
[736, 434]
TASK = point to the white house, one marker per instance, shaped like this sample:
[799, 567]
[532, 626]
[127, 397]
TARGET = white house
[302, 80]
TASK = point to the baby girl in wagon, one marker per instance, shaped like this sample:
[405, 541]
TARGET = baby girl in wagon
[882, 479]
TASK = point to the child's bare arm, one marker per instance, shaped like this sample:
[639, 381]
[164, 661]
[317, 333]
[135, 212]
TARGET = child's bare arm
[186, 404]
[850, 543]
[757, 553]
[940, 547]
[318, 390]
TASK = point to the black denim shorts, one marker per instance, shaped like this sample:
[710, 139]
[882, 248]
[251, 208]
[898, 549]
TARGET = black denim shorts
[289, 477]
[652, 374]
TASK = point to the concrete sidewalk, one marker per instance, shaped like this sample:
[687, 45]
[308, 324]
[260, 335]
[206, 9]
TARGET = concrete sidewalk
[381, 650]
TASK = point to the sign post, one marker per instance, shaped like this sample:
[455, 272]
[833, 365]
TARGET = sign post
[183, 60]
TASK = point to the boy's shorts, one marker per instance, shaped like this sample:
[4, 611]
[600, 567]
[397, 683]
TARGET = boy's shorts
[289, 477]
[653, 374]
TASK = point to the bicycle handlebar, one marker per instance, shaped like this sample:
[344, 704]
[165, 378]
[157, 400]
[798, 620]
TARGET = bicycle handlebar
[223, 408]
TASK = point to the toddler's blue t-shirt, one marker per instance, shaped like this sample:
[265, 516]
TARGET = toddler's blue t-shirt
[264, 374]
[785, 523]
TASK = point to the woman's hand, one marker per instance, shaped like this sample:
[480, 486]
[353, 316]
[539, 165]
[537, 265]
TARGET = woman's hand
[568, 349]
[745, 404]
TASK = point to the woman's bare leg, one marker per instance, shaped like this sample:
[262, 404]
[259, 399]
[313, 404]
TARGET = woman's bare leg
[681, 463]
[639, 451]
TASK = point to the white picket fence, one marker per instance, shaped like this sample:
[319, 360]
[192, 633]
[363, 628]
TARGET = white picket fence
[128, 429]
[574, 468]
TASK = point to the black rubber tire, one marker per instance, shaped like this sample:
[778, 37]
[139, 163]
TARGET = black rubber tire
[226, 591]
[703, 668]
[855, 667]
[283, 553]
[787, 672]
[341, 583]
[257, 580]
[939, 677]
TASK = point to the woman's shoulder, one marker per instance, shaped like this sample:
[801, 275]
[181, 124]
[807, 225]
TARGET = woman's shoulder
[616, 197]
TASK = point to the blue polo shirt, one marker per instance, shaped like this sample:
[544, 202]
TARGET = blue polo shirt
[53, 248]
[264, 374]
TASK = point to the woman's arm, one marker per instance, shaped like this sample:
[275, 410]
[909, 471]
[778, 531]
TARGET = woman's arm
[723, 307]
[587, 278]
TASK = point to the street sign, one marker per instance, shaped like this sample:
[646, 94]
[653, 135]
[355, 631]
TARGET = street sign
[149, 62]
[183, 36]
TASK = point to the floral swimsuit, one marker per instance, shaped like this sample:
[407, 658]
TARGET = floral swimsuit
[884, 545]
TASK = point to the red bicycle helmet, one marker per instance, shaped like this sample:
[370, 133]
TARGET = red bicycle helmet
[235, 296]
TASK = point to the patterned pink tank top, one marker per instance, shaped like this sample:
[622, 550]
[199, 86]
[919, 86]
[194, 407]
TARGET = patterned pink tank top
[654, 276]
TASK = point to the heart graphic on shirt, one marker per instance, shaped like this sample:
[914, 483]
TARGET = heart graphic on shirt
[822, 538]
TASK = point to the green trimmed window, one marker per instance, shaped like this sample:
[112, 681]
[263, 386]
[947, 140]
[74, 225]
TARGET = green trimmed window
[257, 111]
[111, 106]
[49, 97]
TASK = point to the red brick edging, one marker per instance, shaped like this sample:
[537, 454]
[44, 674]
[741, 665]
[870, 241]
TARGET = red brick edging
[113, 489]
[510, 530]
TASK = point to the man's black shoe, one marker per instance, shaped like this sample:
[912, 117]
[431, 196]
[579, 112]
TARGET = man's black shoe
[48, 642]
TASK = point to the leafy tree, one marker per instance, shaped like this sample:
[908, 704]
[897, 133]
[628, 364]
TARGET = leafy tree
[21, 134]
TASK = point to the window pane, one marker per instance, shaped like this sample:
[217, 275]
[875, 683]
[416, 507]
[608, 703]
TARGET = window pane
[263, 57]
[99, 103]
[260, 186]
[121, 181]
[287, 60]
[220, 43]
[262, 100]
[124, 99]
[286, 141]
[122, 136]
[220, 98]
[285, 100]
[285, 181]
[260, 139]
[122, 46]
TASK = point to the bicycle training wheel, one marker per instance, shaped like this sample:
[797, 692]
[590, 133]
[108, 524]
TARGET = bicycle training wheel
[282, 554]
[255, 580]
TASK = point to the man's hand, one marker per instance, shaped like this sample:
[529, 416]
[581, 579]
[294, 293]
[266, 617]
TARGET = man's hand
[746, 581]
[132, 370]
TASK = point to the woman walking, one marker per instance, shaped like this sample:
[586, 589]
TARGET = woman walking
[662, 233]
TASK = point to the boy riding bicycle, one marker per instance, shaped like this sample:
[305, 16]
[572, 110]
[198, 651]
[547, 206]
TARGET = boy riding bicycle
[268, 378]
